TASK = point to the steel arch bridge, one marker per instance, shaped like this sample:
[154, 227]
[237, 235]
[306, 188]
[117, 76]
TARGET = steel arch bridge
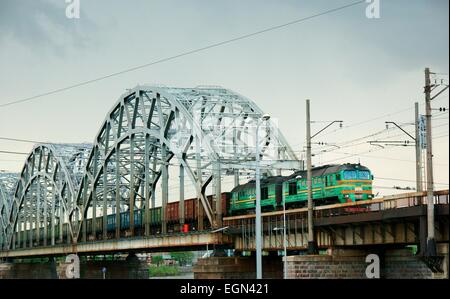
[204, 134]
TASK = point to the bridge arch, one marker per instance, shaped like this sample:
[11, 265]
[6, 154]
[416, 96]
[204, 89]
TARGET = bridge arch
[44, 195]
[205, 132]
[8, 182]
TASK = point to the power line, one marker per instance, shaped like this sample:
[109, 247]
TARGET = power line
[364, 137]
[366, 152]
[14, 153]
[356, 139]
[369, 120]
[404, 180]
[20, 140]
[182, 54]
[350, 144]
[386, 158]
[387, 187]
[377, 118]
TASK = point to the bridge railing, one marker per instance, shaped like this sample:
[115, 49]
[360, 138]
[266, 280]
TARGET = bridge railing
[411, 199]
[296, 221]
[378, 204]
[397, 201]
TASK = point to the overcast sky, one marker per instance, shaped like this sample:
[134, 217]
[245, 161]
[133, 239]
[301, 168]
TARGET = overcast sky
[351, 67]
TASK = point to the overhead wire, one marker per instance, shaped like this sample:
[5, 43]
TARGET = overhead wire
[186, 53]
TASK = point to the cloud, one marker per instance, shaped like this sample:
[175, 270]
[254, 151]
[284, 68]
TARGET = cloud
[43, 24]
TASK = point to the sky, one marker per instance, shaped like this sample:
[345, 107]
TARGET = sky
[359, 70]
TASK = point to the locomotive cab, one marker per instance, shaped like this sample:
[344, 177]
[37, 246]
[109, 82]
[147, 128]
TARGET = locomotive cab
[355, 182]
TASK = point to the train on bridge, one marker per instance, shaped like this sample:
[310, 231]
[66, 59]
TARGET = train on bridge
[330, 184]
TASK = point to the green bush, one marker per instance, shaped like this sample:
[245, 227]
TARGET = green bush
[183, 258]
[163, 271]
[157, 260]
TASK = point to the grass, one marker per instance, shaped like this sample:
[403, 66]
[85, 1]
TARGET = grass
[163, 271]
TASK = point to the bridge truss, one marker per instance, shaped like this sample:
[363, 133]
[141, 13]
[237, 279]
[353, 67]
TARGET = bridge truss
[7, 183]
[204, 134]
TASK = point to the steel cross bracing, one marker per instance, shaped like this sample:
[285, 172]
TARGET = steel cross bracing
[8, 183]
[206, 133]
[44, 193]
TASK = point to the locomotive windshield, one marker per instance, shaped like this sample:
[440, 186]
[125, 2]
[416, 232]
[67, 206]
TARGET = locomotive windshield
[364, 175]
[350, 175]
[356, 175]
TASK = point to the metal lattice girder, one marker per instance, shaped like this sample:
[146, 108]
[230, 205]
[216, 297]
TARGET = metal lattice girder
[8, 183]
[207, 130]
[209, 133]
[46, 189]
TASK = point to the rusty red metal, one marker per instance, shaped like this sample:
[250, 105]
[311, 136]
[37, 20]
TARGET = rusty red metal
[191, 208]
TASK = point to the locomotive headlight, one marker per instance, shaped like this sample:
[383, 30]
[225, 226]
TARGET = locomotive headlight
[346, 195]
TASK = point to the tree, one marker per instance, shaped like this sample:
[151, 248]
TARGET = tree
[183, 258]
[157, 259]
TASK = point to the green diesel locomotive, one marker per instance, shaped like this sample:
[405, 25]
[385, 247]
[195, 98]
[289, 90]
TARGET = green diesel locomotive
[330, 184]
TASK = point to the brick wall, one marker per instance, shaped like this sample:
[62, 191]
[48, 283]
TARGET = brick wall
[325, 267]
[236, 268]
[401, 267]
[28, 270]
[88, 270]
[350, 264]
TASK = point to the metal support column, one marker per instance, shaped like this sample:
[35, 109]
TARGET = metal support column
[61, 220]
[164, 189]
[21, 230]
[45, 216]
[431, 243]
[19, 226]
[118, 195]
[147, 185]
[38, 209]
[181, 205]
[24, 217]
[84, 216]
[312, 248]
[105, 201]
[154, 180]
[418, 151]
[236, 157]
[105, 187]
[218, 196]
[52, 220]
[31, 223]
[258, 232]
[199, 179]
[94, 200]
[132, 189]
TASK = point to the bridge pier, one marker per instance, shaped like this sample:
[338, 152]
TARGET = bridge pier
[337, 263]
[422, 235]
[351, 264]
[29, 269]
[237, 268]
[116, 268]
